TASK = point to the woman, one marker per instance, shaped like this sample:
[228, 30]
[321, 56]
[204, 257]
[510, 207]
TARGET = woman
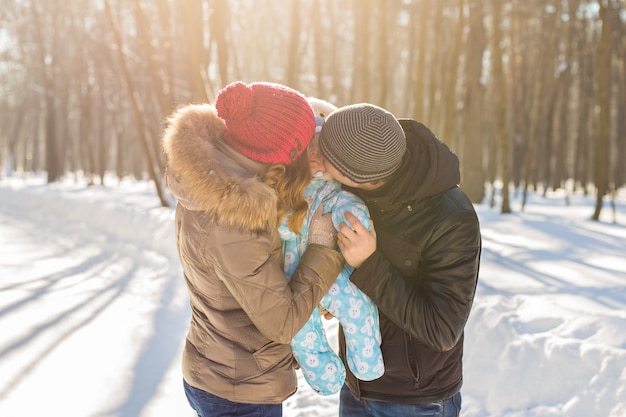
[236, 168]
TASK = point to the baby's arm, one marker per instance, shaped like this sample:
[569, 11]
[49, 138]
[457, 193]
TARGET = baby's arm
[355, 311]
[345, 201]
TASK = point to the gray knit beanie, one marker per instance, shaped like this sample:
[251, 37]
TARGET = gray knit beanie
[363, 141]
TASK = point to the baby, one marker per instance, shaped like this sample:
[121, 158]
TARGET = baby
[358, 315]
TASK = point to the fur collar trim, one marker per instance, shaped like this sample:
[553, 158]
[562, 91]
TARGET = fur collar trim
[203, 173]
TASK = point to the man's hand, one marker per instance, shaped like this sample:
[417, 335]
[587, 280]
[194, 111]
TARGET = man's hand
[356, 242]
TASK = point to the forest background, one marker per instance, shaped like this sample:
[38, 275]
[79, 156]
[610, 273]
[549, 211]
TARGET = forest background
[528, 93]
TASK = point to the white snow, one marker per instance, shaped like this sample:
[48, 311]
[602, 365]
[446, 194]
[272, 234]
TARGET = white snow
[93, 308]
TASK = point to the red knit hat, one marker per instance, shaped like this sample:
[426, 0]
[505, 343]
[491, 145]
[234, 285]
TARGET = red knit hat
[266, 122]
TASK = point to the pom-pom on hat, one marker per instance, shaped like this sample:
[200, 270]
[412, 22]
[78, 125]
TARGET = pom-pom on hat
[363, 141]
[267, 122]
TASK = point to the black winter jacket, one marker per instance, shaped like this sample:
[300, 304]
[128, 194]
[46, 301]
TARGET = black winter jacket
[423, 274]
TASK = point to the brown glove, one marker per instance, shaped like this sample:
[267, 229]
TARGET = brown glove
[322, 231]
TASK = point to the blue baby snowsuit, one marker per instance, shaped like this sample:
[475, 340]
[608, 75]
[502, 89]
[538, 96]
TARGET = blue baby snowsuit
[356, 312]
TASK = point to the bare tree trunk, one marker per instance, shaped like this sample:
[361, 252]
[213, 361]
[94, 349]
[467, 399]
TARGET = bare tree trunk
[294, 43]
[361, 82]
[561, 154]
[419, 88]
[620, 167]
[339, 94]
[133, 99]
[319, 53]
[154, 69]
[521, 87]
[412, 47]
[436, 65]
[563, 161]
[219, 20]
[604, 87]
[166, 40]
[502, 131]
[54, 166]
[541, 111]
[450, 102]
[585, 92]
[549, 138]
[617, 144]
[192, 13]
[531, 150]
[87, 134]
[13, 137]
[382, 59]
[32, 156]
[471, 143]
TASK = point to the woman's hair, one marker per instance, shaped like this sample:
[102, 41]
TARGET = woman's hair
[289, 182]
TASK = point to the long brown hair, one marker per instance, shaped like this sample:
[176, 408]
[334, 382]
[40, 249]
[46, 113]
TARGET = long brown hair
[289, 181]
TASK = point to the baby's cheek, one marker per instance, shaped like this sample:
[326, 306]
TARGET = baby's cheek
[317, 166]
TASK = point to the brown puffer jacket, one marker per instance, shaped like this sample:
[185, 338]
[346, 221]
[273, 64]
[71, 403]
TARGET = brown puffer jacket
[244, 312]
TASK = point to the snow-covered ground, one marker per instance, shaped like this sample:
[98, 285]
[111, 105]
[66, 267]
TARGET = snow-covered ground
[93, 308]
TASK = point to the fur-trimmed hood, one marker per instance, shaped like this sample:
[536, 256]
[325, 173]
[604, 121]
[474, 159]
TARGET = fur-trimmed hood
[205, 174]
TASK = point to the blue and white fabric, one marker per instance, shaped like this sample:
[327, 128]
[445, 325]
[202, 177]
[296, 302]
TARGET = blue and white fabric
[356, 312]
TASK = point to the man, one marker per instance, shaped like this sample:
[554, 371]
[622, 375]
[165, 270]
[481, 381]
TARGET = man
[419, 263]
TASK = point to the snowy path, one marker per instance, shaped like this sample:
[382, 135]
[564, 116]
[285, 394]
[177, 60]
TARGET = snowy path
[93, 308]
[91, 323]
